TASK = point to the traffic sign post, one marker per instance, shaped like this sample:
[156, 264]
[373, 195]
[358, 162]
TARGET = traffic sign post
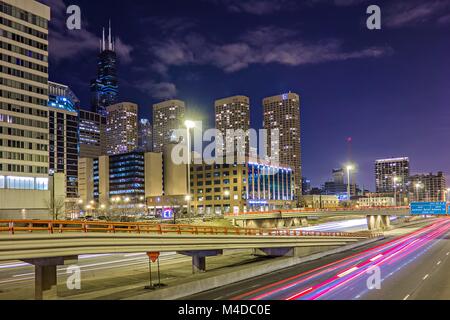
[428, 208]
[154, 257]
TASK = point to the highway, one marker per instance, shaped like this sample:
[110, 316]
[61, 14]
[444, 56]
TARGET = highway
[350, 225]
[111, 270]
[17, 278]
[413, 266]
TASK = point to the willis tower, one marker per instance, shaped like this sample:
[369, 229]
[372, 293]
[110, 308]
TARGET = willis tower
[105, 87]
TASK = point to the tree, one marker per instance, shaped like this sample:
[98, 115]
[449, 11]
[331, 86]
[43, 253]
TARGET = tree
[55, 207]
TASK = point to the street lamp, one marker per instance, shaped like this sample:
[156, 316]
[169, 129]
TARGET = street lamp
[418, 186]
[189, 125]
[396, 179]
[446, 193]
[349, 168]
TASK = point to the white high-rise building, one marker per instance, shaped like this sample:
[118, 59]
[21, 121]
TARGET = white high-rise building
[24, 122]
[282, 112]
[121, 128]
[167, 117]
[233, 115]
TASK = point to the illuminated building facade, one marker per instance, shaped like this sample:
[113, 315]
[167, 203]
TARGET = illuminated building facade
[24, 124]
[145, 133]
[389, 170]
[119, 176]
[167, 116]
[223, 188]
[233, 113]
[63, 135]
[92, 134]
[282, 112]
[122, 128]
[105, 87]
[428, 187]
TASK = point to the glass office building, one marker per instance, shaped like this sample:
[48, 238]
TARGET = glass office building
[223, 188]
[124, 174]
[63, 135]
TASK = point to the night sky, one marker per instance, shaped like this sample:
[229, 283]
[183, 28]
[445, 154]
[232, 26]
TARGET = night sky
[387, 89]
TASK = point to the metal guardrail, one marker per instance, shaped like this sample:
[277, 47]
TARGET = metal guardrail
[13, 227]
[312, 210]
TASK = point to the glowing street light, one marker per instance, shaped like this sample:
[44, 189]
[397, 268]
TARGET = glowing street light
[418, 186]
[349, 168]
[189, 125]
[395, 180]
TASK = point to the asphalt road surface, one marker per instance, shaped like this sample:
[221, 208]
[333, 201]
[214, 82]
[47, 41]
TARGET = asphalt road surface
[413, 266]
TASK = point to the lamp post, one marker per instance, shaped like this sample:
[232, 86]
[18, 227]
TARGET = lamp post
[226, 195]
[349, 168]
[446, 193]
[395, 190]
[418, 185]
[189, 125]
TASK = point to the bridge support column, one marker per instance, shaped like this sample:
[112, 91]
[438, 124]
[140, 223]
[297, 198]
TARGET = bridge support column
[378, 222]
[386, 222]
[199, 259]
[371, 223]
[45, 279]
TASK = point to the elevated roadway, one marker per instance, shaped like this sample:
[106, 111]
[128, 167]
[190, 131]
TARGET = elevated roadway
[47, 244]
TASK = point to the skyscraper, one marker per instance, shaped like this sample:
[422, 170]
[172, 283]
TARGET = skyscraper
[145, 141]
[121, 128]
[92, 134]
[63, 139]
[428, 187]
[282, 112]
[105, 87]
[391, 174]
[233, 113]
[24, 133]
[167, 116]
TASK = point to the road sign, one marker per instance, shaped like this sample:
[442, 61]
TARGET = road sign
[168, 213]
[429, 208]
[153, 256]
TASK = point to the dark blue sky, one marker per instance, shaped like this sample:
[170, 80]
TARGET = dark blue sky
[387, 89]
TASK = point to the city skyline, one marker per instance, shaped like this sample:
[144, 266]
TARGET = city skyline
[105, 182]
[379, 78]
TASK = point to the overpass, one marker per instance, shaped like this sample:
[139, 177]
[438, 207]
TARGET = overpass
[46, 244]
[377, 217]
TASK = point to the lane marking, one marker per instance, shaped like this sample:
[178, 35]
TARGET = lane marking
[347, 272]
[376, 257]
[439, 262]
[426, 276]
[406, 298]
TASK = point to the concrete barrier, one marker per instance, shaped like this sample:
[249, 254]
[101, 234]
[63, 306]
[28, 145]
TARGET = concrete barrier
[200, 285]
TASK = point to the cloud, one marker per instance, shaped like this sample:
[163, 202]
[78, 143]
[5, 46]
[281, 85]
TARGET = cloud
[261, 46]
[339, 3]
[158, 90]
[123, 51]
[444, 19]
[255, 7]
[67, 44]
[415, 12]
[344, 3]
